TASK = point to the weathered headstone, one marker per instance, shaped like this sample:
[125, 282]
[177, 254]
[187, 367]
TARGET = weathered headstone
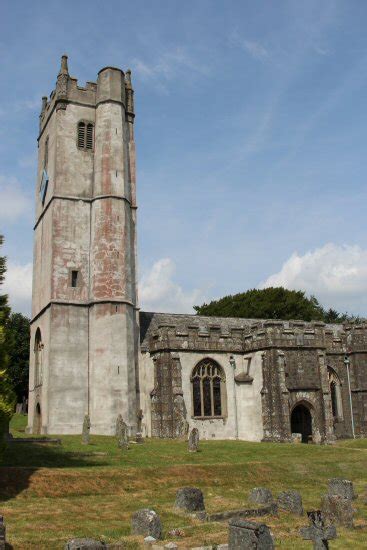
[86, 430]
[338, 510]
[190, 499]
[146, 522]
[261, 495]
[296, 438]
[2, 534]
[122, 433]
[85, 544]
[342, 488]
[317, 531]
[247, 534]
[194, 440]
[290, 501]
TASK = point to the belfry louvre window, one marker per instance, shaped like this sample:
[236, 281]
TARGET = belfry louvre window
[208, 390]
[85, 135]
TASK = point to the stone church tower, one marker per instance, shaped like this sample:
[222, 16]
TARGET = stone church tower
[84, 335]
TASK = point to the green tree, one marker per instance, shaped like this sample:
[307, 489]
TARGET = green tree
[18, 330]
[267, 303]
[7, 396]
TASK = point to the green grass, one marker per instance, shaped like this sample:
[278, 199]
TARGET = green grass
[51, 493]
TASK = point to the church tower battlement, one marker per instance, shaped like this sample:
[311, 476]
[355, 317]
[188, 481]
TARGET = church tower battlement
[84, 335]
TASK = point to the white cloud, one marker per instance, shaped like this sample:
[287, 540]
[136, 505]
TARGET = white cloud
[336, 275]
[168, 66]
[158, 292]
[18, 285]
[13, 201]
[253, 47]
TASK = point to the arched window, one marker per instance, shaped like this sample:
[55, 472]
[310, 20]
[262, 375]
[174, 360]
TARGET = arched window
[38, 346]
[85, 135]
[335, 394]
[208, 390]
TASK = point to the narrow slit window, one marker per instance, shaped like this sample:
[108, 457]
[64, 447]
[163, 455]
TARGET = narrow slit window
[81, 135]
[89, 142]
[74, 278]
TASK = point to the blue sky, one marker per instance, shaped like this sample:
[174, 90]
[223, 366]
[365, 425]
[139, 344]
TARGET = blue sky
[251, 134]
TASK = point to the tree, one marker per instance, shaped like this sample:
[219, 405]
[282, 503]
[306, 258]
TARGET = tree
[18, 331]
[267, 303]
[7, 396]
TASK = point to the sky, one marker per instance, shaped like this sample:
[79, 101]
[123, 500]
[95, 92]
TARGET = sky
[251, 133]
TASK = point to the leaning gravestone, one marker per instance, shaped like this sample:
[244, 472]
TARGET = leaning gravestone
[261, 495]
[317, 531]
[247, 534]
[194, 440]
[86, 430]
[337, 509]
[146, 522]
[290, 501]
[2, 534]
[85, 544]
[122, 433]
[190, 499]
[342, 488]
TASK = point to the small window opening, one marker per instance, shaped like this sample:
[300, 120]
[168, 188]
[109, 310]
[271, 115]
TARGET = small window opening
[85, 135]
[45, 158]
[74, 278]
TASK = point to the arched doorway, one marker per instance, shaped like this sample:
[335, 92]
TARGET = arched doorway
[37, 422]
[301, 422]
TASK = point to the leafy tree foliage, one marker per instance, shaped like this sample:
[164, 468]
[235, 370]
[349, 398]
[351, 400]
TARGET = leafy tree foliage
[18, 349]
[7, 396]
[268, 303]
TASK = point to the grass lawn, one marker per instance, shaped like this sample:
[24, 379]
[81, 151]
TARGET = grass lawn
[51, 493]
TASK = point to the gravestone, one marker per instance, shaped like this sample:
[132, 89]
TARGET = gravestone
[194, 440]
[146, 522]
[247, 534]
[2, 534]
[317, 531]
[296, 438]
[342, 488]
[261, 495]
[338, 510]
[86, 430]
[290, 501]
[122, 433]
[190, 499]
[85, 544]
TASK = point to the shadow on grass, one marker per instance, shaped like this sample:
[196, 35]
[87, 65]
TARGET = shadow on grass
[22, 460]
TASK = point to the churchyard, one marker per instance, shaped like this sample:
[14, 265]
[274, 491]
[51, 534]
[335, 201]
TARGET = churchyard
[51, 493]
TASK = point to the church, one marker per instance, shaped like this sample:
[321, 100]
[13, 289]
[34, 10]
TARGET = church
[94, 352]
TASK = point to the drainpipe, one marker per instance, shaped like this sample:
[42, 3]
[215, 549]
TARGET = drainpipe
[347, 363]
[232, 362]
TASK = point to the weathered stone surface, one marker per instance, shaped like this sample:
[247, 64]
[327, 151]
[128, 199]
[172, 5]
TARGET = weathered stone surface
[342, 488]
[261, 495]
[146, 522]
[338, 510]
[290, 501]
[84, 544]
[317, 531]
[190, 499]
[122, 433]
[247, 534]
[296, 438]
[2, 534]
[86, 430]
[149, 541]
[194, 440]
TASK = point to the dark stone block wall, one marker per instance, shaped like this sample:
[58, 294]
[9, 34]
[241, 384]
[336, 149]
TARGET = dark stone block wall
[298, 359]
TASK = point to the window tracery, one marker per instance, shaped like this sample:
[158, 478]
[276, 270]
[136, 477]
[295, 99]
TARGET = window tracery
[208, 390]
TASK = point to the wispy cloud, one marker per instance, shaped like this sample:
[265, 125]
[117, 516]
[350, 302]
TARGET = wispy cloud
[14, 202]
[168, 66]
[159, 292]
[252, 47]
[18, 285]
